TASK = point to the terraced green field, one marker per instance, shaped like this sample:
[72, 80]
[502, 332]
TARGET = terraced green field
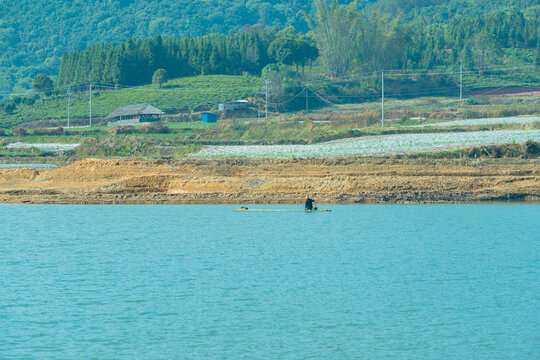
[185, 94]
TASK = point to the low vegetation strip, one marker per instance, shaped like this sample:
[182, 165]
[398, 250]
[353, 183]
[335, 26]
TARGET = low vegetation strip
[34, 166]
[485, 121]
[399, 144]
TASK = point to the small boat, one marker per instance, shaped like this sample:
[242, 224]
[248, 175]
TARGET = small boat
[283, 210]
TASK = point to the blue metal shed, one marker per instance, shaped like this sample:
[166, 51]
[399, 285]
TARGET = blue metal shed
[209, 118]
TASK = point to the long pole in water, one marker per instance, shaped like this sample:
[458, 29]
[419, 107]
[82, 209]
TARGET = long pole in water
[382, 97]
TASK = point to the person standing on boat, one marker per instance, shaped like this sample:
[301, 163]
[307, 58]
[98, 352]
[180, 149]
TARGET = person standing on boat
[309, 204]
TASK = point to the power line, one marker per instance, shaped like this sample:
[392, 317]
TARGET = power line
[287, 101]
[191, 89]
[388, 72]
[318, 82]
[461, 82]
[322, 98]
[69, 93]
[266, 82]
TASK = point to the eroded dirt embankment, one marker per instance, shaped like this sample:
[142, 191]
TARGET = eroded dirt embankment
[246, 181]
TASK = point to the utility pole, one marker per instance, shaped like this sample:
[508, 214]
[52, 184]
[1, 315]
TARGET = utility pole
[266, 107]
[90, 105]
[307, 102]
[461, 82]
[69, 104]
[382, 97]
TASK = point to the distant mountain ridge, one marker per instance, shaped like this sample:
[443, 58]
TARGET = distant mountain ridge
[35, 33]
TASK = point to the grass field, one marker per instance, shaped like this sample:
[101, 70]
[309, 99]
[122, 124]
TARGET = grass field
[428, 109]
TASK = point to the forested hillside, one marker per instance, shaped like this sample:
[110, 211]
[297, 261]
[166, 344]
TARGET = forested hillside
[35, 34]
[139, 62]
[348, 39]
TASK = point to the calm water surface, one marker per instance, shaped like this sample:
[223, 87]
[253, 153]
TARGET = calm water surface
[204, 282]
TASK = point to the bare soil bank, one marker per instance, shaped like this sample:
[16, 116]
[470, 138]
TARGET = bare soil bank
[250, 181]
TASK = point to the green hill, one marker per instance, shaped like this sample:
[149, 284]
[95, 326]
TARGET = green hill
[35, 33]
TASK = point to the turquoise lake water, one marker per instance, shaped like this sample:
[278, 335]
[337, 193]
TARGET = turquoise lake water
[204, 282]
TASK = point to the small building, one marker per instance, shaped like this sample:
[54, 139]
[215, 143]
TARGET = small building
[233, 105]
[209, 118]
[134, 114]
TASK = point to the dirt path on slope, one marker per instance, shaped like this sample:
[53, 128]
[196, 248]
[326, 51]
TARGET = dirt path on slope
[274, 181]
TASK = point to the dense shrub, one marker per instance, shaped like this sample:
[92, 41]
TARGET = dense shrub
[531, 148]
[155, 128]
[152, 128]
[122, 130]
[17, 99]
[478, 100]
[59, 131]
[3, 132]
[30, 100]
[9, 107]
[20, 131]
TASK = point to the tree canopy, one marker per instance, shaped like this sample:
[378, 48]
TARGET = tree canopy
[159, 77]
[42, 84]
[291, 48]
[135, 62]
[351, 39]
